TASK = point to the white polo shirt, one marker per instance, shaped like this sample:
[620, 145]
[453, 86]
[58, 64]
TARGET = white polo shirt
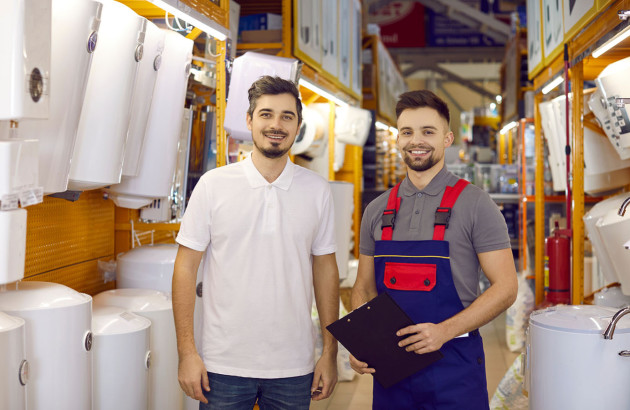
[257, 277]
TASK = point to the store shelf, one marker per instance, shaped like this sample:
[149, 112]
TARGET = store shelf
[503, 198]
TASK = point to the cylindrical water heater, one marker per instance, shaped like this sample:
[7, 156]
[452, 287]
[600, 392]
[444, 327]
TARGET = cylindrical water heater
[102, 133]
[164, 390]
[14, 367]
[122, 359]
[58, 343]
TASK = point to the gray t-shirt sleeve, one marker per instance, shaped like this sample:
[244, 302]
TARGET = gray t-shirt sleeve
[369, 222]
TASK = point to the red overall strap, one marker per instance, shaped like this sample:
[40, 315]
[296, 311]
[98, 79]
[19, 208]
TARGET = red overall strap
[443, 213]
[389, 214]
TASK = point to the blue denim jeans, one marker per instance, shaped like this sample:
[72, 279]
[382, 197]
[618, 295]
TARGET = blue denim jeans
[241, 393]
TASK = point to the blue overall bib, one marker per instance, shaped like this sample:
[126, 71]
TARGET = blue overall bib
[417, 274]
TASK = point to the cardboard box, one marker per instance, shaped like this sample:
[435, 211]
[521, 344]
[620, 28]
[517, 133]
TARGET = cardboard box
[261, 36]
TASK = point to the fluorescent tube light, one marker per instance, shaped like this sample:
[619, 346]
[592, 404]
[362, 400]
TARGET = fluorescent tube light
[192, 16]
[616, 39]
[379, 125]
[508, 127]
[393, 130]
[553, 84]
[327, 95]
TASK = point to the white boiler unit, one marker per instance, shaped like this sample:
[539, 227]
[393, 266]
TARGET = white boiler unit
[24, 59]
[122, 359]
[613, 229]
[75, 25]
[12, 245]
[571, 364]
[164, 390]
[343, 198]
[14, 367]
[102, 133]
[156, 165]
[58, 343]
[142, 95]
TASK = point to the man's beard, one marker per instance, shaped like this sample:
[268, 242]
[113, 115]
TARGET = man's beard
[273, 151]
[422, 165]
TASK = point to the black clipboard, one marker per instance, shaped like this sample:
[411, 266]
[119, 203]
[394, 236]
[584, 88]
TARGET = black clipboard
[369, 333]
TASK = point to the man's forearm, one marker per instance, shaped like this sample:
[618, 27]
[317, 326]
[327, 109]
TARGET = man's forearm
[183, 288]
[326, 287]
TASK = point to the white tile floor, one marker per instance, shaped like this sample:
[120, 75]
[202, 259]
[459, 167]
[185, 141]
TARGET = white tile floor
[357, 394]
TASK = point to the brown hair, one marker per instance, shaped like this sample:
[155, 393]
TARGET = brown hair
[422, 98]
[269, 85]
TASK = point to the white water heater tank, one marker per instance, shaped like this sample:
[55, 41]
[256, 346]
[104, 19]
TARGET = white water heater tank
[12, 245]
[102, 133]
[58, 343]
[14, 368]
[164, 390]
[122, 359]
[613, 229]
[142, 95]
[24, 59]
[75, 25]
[612, 82]
[343, 198]
[156, 165]
[571, 365]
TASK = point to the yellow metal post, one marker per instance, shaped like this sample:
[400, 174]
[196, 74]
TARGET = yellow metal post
[331, 142]
[221, 103]
[539, 210]
[577, 282]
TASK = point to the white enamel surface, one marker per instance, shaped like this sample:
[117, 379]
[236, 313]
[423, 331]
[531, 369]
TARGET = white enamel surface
[313, 134]
[142, 94]
[613, 83]
[58, 320]
[73, 22]
[12, 353]
[18, 164]
[102, 133]
[572, 366]
[121, 344]
[591, 219]
[159, 155]
[352, 125]
[12, 245]
[147, 267]
[156, 306]
[25, 30]
[343, 198]
[613, 230]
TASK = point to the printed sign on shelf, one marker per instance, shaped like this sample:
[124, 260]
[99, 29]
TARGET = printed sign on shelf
[553, 33]
[401, 22]
[330, 45]
[576, 15]
[357, 82]
[534, 38]
[344, 43]
[309, 29]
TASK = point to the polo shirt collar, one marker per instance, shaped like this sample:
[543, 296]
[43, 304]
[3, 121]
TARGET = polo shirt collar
[435, 187]
[256, 180]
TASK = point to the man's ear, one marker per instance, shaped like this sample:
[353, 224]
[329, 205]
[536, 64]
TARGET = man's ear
[249, 121]
[448, 139]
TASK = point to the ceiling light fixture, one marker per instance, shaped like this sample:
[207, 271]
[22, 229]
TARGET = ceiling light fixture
[320, 91]
[508, 127]
[192, 16]
[553, 84]
[616, 39]
[381, 126]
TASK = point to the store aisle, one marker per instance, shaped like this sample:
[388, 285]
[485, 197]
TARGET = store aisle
[357, 394]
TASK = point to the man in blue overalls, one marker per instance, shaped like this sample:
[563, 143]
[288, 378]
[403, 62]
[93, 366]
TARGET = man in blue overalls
[425, 242]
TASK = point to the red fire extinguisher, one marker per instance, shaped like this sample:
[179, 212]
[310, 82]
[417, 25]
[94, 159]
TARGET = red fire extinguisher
[558, 252]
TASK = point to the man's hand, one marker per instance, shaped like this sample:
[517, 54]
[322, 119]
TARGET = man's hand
[359, 366]
[325, 376]
[425, 338]
[193, 377]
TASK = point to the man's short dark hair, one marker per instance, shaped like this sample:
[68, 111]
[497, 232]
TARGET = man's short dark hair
[422, 98]
[270, 85]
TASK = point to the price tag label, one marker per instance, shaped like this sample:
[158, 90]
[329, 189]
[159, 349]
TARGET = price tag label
[32, 196]
[8, 202]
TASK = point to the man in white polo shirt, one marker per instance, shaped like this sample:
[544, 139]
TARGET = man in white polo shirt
[266, 229]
